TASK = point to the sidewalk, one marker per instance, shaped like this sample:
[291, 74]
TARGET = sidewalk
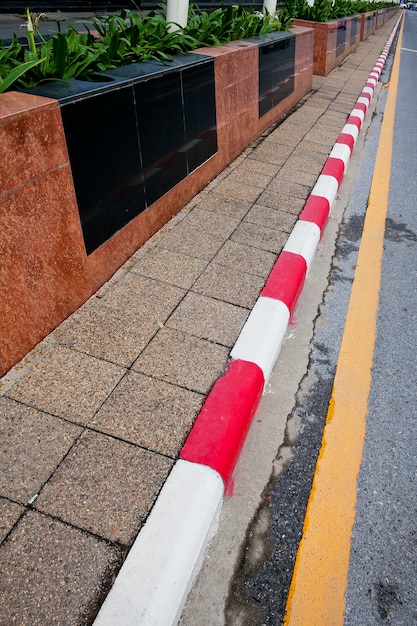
[95, 417]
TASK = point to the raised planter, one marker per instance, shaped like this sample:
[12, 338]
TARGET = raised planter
[90, 171]
[333, 41]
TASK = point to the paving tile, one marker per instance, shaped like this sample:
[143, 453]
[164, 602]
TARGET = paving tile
[310, 158]
[34, 443]
[233, 286]
[225, 206]
[252, 167]
[333, 118]
[289, 187]
[84, 384]
[275, 152]
[253, 179]
[301, 177]
[321, 103]
[277, 200]
[324, 135]
[273, 218]
[184, 360]
[246, 258]
[168, 266]
[9, 515]
[289, 134]
[53, 574]
[236, 190]
[211, 222]
[209, 318]
[143, 296]
[105, 486]
[313, 166]
[149, 413]
[260, 236]
[191, 241]
[115, 336]
[306, 115]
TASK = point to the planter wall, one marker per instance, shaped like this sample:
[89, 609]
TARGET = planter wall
[70, 165]
[333, 41]
[368, 24]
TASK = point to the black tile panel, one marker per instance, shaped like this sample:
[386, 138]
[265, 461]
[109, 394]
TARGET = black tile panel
[199, 114]
[133, 133]
[105, 160]
[341, 37]
[276, 72]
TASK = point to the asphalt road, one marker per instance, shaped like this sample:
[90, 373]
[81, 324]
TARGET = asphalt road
[382, 572]
[383, 566]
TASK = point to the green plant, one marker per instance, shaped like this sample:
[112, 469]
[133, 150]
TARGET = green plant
[325, 10]
[121, 40]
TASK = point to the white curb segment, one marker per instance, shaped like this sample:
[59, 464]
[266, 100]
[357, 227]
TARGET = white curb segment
[153, 584]
[326, 187]
[341, 151]
[351, 129]
[304, 237]
[262, 335]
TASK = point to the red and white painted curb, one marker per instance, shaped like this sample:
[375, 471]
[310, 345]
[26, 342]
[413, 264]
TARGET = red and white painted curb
[153, 584]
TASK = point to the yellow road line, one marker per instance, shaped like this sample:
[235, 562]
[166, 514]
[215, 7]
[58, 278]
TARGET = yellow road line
[316, 595]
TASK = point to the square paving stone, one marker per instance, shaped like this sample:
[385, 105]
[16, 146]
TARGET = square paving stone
[115, 336]
[246, 258]
[300, 175]
[289, 187]
[244, 177]
[149, 413]
[276, 200]
[105, 486]
[235, 190]
[9, 515]
[183, 360]
[231, 285]
[67, 384]
[53, 574]
[167, 266]
[252, 168]
[265, 216]
[143, 296]
[220, 226]
[225, 206]
[309, 146]
[309, 159]
[288, 134]
[323, 135]
[260, 236]
[33, 444]
[333, 118]
[272, 153]
[193, 242]
[306, 164]
[209, 318]
[306, 115]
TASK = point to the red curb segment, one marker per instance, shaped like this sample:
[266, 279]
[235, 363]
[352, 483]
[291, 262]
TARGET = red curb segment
[334, 167]
[286, 279]
[355, 120]
[365, 94]
[316, 210]
[361, 107]
[346, 140]
[220, 430]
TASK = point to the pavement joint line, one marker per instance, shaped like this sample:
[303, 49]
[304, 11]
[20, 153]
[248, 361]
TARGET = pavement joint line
[153, 584]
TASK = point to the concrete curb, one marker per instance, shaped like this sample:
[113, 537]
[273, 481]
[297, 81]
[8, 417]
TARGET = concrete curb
[152, 586]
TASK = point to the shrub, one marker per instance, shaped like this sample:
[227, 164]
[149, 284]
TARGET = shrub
[120, 40]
